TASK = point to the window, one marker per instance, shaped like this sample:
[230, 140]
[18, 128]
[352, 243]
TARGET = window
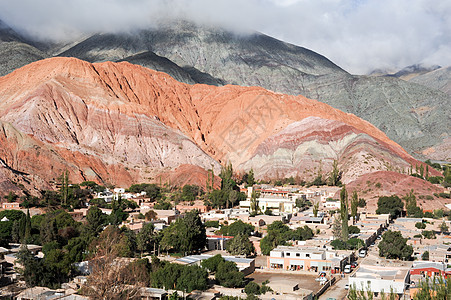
[287, 254]
[298, 254]
[307, 255]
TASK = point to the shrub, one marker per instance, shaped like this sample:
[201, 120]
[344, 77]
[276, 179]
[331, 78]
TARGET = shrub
[420, 225]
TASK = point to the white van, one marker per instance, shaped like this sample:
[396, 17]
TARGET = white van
[362, 253]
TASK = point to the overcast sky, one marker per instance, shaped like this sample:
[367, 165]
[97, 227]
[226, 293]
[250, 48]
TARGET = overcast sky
[358, 35]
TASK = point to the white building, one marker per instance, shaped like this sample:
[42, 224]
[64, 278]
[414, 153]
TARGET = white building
[380, 278]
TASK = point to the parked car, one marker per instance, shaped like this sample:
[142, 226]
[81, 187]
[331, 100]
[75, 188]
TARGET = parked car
[347, 286]
[362, 253]
[347, 269]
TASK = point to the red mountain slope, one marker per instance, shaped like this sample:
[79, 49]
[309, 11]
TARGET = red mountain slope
[121, 123]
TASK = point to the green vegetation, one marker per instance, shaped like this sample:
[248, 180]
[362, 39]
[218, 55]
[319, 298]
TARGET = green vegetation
[185, 235]
[436, 288]
[394, 246]
[214, 224]
[226, 272]
[392, 205]
[334, 178]
[425, 255]
[351, 244]
[353, 229]
[344, 214]
[237, 227]
[279, 234]
[420, 225]
[240, 245]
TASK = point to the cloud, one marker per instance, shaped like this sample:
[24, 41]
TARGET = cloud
[358, 35]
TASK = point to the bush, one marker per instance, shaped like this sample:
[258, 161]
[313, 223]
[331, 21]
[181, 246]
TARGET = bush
[228, 275]
[428, 234]
[392, 205]
[214, 224]
[353, 229]
[425, 255]
[420, 225]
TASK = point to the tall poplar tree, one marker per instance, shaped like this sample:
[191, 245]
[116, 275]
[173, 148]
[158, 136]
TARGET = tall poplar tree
[344, 213]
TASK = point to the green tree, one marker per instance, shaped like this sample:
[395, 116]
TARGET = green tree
[353, 229]
[420, 225]
[394, 246]
[95, 220]
[255, 209]
[425, 255]
[228, 275]
[335, 175]
[354, 206]
[437, 288]
[392, 205]
[315, 209]
[444, 227]
[240, 245]
[237, 227]
[180, 277]
[145, 239]
[336, 227]
[212, 263]
[344, 213]
[186, 234]
[250, 178]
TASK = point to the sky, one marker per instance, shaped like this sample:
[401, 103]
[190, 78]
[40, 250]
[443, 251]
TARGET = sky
[358, 35]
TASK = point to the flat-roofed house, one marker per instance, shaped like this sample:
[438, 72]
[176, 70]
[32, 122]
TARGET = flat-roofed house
[380, 278]
[297, 258]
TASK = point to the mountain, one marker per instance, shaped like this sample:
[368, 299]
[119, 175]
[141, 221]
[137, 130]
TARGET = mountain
[120, 123]
[411, 115]
[15, 51]
[413, 71]
[439, 79]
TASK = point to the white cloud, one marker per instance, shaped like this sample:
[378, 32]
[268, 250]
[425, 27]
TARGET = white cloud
[358, 35]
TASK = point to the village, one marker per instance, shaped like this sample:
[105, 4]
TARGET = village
[299, 269]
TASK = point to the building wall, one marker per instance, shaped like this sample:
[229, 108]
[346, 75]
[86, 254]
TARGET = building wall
[377, 285]
[295, 264]
[426, 271]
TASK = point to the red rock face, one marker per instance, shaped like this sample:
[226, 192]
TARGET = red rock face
[121, 123]
[384, 183]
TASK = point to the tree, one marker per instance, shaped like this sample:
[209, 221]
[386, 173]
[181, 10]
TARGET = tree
[394, 246]
[250, 180]
[411, 205]
[353, 229]
[145, 239]
[186, 234]
[420, 225]
[425, 255]
[237, 227]
[362, 203]
[180, 277]
[64, 189]
[392, 205]
[315, 209]
[437, 288]
[255, 209]
[344, 213]
[95, 220]
[150, 215]
[240, 245]
[228, 275]
[354, 206]
[336, 227]
[212, 263]
[335, 175]
[444, 227]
